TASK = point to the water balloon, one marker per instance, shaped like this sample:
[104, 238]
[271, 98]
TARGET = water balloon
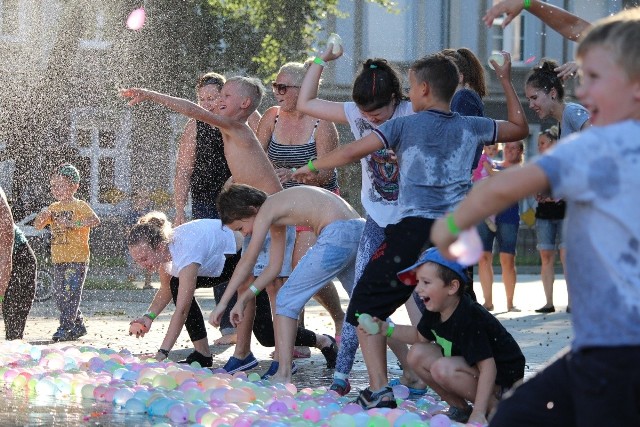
[136, 20]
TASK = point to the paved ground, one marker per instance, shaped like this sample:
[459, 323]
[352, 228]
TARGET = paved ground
[108, 315]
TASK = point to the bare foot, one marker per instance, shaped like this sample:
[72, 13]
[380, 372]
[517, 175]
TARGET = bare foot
[226, 340]
[489, 307]
[276, 379]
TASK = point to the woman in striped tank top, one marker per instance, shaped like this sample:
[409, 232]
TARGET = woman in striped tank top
[291, 139]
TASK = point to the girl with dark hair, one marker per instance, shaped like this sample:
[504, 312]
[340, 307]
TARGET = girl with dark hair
[545, 91]
[377, 97]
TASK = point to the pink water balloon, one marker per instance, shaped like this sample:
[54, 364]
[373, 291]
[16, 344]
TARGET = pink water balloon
[136, 19]
[468, 248]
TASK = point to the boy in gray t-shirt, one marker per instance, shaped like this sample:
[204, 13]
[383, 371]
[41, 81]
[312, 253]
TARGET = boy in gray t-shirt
[597, 173]
[435, 150]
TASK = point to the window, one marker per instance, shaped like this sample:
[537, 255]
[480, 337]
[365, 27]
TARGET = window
[102, 139]
[13, 20]
[508, 39]
[94, 36]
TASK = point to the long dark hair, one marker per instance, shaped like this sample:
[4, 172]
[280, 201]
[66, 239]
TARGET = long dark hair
[376, 85]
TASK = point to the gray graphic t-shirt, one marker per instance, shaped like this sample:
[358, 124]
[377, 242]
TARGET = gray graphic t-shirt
[597, 172]
[435, 152]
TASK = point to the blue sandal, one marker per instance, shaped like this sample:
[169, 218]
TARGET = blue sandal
[413, 392]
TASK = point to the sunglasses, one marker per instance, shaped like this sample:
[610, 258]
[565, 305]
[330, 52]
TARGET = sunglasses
[281, 88]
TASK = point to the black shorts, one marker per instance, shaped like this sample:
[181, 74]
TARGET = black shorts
[588, 388]
[379, 292]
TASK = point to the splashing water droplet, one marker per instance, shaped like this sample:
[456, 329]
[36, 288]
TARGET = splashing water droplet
[136, 19]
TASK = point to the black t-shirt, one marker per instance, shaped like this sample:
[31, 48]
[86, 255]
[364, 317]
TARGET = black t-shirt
[476, 335]
[551, 210]
[210, 169]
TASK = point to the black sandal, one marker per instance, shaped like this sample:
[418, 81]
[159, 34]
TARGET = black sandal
[196, 356]
[330, 352]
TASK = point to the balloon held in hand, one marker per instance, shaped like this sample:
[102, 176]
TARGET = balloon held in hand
[498, 58]
[337, 42]
[368, 324]
[467, 249]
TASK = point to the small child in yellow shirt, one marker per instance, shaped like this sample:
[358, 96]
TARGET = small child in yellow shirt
[70, 220]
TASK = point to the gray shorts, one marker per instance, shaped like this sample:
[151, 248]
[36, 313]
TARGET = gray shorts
[263, 257]
[333, 255]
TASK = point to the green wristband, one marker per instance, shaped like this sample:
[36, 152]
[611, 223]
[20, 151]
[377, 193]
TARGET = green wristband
[78, 223]
[527, 4]
[151, 315]
[451, 225]
[253, 289]
[321, 62]
[390, 328]
[1, 299]
[311, 167]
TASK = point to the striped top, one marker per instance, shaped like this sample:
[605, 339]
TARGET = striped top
[296, 156]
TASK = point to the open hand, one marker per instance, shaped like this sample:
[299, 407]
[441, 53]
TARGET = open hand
[567, 71]
[511, 8]
[136, 95]
[140, 326]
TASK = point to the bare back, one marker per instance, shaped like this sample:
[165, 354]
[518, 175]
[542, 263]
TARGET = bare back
[306, 206]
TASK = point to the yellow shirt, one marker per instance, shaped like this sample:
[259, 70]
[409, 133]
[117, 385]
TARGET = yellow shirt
[69, 244]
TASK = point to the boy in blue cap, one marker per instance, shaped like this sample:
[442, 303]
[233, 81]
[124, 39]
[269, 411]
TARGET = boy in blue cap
[459, 349]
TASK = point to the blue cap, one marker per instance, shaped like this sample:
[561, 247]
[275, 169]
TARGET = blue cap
[408, 275]
[70, 172]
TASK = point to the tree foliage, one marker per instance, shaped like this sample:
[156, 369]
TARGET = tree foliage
[282, 30]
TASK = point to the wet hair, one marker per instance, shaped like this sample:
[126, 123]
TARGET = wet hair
[296, 70]
[440, 72]
[218, 80]
[619, 34]
[251, 88]
[376, 85]
[447, 275]
[239, 201]
[553, 133]
[543, 78]
[470, 68]
[153, 228]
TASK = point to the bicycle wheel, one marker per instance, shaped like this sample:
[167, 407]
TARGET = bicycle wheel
[44, 285]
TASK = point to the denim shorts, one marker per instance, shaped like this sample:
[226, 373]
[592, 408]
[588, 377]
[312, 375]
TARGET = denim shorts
[333, 255]
[506, 235]
[263, 256]
[549, 234]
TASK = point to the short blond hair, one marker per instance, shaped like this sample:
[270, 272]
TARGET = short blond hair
[619, 34]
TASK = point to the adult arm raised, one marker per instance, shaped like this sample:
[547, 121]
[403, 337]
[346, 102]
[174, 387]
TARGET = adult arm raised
[308, 101]
[567, 24]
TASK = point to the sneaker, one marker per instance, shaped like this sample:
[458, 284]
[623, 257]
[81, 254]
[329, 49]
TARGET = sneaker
[78, 330]
[491, 225]
[330, 352]
[369, 400]
[273, 368]
[342, 387]
[62, 335]
[196, 356]
[459, 415]
[234, 364]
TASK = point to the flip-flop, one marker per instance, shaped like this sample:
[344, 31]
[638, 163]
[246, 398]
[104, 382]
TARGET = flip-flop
[414, 392]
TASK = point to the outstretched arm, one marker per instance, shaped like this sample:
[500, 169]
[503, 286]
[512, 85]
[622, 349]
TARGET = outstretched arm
[489, 197]
[568, 25]
[341, 156]
[179, 105]
[308, 101]
[516, 126]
